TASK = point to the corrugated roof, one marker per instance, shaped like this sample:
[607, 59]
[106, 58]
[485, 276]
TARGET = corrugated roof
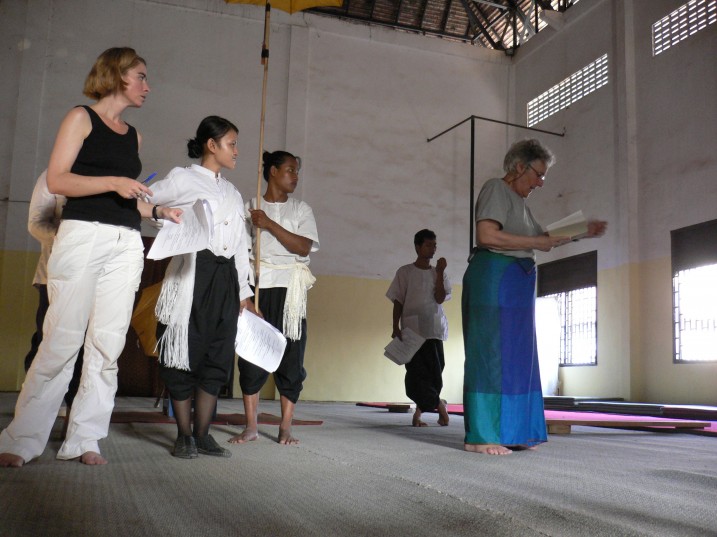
[496, 24]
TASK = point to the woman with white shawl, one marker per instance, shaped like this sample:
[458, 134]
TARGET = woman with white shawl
[203, 292]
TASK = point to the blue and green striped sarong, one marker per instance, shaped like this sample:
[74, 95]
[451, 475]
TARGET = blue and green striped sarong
[502, 396]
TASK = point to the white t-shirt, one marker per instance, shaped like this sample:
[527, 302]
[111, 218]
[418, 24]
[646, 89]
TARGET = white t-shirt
[184, 186]
[413, 288]
[294, 216]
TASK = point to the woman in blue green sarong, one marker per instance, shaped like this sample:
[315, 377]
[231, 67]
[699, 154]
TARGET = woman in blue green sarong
[502, 395]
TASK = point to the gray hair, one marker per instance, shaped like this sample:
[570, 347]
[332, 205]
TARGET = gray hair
[526, 151]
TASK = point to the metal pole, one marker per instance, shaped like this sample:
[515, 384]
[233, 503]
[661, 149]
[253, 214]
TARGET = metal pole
[473, 143]
[265, 63]
[473, 165]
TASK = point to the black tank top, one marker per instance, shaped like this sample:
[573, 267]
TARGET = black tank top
[106, 153]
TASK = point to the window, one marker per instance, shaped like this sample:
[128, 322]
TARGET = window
[683, 22]
[571, 283]
[694, 292]
[565, 93]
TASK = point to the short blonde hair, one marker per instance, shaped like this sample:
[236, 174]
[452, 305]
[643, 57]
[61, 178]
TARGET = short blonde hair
[105, 77]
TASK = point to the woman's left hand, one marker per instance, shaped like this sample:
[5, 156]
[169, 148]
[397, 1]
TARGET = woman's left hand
[170, 213]
[596, 228]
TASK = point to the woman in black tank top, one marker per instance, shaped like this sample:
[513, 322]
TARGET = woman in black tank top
[95, 266]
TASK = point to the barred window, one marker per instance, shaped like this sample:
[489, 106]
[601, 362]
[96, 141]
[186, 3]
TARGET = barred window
[694, 292]
[575, 87]
[572, 284]
[682, 23]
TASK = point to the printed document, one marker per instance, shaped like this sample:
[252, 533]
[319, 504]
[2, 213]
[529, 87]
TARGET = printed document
[402, 351]
[259, 342]
[191, 235]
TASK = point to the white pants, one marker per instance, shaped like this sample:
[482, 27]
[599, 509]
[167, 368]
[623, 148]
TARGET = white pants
[93, 274]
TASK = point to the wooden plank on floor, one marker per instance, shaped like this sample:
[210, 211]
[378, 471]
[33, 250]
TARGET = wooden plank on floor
[559, 428]
[563, 425]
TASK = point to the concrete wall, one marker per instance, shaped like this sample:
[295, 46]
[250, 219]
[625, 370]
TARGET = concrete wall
[636, 153]
[358, 104]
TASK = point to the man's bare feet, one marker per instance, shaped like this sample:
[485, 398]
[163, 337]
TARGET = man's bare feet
[10, 460]
[247, 435]
[417, 421]
[285, 437]
[488, 449]
[287, 419]
[92, 458]
[443, 418]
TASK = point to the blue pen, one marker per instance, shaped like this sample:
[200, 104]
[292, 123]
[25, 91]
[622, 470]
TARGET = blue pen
[149, 178]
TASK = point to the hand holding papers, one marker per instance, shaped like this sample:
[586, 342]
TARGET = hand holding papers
[401, 352]
[258, 342]
[191, 235]
[574, 226]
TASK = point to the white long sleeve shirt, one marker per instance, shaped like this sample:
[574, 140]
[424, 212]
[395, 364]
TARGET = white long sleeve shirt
[182, 187]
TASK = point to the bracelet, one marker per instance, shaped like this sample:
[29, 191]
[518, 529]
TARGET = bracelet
[154, 213]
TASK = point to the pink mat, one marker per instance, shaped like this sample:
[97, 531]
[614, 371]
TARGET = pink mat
[669, 423]
[598, 416]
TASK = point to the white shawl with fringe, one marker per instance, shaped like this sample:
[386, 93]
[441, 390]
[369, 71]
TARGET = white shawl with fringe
[174, 305]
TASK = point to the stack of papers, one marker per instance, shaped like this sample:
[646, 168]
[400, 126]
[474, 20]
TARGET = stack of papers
[402, 351]
[191, 235]
[259, 342]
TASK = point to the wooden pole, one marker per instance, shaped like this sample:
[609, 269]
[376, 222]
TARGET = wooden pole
[265, 63]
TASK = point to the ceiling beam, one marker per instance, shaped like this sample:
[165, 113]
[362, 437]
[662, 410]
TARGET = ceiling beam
[473, 18]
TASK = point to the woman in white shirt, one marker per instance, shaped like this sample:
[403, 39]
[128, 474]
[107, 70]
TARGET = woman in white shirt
[289, 236]
[203, 292]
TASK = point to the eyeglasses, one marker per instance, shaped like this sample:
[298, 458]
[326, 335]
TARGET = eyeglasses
[540, 175]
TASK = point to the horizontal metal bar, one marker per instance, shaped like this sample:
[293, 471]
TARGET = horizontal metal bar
[494, 121]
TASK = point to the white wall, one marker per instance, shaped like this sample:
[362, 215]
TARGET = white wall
[638, 153]
[357, 103]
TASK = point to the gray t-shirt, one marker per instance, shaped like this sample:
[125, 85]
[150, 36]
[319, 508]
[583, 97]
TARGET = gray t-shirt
[498, 202]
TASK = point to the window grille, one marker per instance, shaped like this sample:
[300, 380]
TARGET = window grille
[575, 87]
[572, 283]
[578, 326]
[682, 23]
[695, 314]
[694, 292]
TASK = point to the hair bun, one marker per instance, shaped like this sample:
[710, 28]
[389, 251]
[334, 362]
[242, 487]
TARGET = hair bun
[194, 148]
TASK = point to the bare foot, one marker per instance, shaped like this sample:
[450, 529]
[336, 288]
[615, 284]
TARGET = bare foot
[10, 460]
[488, 449]
[285, 437]
[247, 435]
[92, 458]
[417, 421]
[443, 418]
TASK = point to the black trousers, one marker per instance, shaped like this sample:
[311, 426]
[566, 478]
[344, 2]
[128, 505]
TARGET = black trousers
[424, 375]
[290, 374]
[212, 329]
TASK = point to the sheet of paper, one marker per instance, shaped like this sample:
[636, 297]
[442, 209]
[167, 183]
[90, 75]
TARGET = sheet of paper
[401, 352]
[258, 342]
[191, 235]
[573, 226]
